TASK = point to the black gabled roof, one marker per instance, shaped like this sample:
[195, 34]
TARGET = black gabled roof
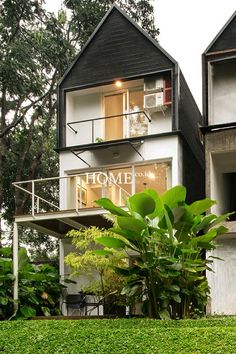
[226, 38]
[118, 48]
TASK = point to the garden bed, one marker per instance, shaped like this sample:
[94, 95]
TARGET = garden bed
[205, 336]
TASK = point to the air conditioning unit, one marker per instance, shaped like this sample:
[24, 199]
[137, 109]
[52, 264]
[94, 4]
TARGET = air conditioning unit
[153, 84]
[154, 102]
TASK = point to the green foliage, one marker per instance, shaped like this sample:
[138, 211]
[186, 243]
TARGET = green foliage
[39, 288]
[6, 280]
[86, 14]
[136, 336]
[36, 49]
[163, 239]
[96, 264]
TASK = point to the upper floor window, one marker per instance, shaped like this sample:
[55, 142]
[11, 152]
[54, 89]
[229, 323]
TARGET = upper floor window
[114, 112]
[222, 92]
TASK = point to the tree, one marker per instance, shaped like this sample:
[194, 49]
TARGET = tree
[98, 268]
[164, 239]
[36, 49]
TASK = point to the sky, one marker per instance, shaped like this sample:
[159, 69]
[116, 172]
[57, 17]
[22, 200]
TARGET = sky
[186, 29]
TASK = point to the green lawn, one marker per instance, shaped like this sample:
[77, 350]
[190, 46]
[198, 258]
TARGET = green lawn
[216, 335]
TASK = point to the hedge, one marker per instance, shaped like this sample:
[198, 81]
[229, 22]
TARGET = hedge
[141, 336]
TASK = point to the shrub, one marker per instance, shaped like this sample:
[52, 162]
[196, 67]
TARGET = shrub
[39, 287]
[103, 280]
[6, 283]
[164, 239]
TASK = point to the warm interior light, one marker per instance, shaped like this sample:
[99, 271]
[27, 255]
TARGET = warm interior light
[118, 83]
[151, 175]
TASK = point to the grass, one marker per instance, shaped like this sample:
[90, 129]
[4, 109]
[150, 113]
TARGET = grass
[141, 336]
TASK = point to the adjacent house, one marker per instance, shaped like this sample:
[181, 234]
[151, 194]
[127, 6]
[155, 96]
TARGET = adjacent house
[126, 122]
[219, 111]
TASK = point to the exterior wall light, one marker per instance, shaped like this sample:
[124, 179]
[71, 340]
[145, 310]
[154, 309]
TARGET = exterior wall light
[118, 83]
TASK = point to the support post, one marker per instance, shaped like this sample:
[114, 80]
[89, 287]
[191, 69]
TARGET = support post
[15, 265]
[62, 276]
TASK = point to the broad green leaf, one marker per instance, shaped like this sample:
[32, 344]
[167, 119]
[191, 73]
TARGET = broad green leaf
[130, 290]
[6, 251]
[111, 242]
[219, 219]
[102, 252]
[159, 208]
[165, 315]
[108, 205]
[33, 299]
[129, 271]
[174, 288]
[168, 217]
[176, 298]
[46, 311]
[188, 251]
[205, 222]
[131, 224]
[221, 230]
[174, 196]
[5, 260]
[8, 276]
[131, 236]
[27, 311]
[201, 206]
[217, 258]
[141, 203]
[3, 300]
[208, 237]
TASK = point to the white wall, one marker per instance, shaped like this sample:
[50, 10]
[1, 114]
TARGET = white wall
[223, 93]
[222, 281]
[83, 107]
[221, 163]
[161, 122]
[153, 150]
[161, 148]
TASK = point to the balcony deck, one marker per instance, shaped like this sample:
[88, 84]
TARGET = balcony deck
[68, 205]
[59, 223]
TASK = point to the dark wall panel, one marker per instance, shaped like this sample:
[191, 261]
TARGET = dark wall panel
[117, 50]
[193, 176]
[227, 40]
[189, 120]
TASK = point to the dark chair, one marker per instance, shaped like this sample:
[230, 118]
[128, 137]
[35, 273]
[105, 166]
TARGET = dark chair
[75, 301]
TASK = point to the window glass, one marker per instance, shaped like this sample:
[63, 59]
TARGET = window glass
[138, 123]
[152, 176]
[120, 184]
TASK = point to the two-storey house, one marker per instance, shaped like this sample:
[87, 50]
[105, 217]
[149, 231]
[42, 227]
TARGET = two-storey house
[126, 121]
[219, 110]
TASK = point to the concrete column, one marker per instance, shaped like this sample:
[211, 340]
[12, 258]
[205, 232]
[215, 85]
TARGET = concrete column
[15, 265]
[62, 273]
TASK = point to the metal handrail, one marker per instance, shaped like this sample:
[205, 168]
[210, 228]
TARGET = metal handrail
[38, 198]
[35, 195]
[107, 117]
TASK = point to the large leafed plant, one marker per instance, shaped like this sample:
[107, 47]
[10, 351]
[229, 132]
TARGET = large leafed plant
[165, 241]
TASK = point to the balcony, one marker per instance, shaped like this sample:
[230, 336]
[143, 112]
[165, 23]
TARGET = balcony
[114, 127]
[107, 113]
[71, 193]
[55, 205]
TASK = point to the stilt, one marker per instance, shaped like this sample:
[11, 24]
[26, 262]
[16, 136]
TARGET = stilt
[15, 265]
[62, 275]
